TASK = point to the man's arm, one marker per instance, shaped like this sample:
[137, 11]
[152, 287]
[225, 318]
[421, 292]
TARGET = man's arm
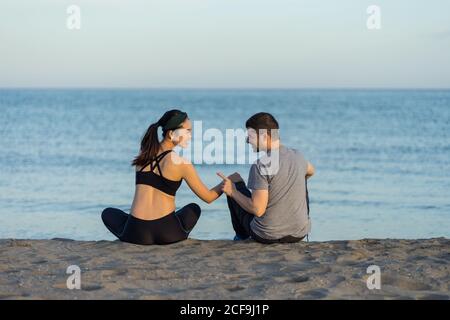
[256, 204]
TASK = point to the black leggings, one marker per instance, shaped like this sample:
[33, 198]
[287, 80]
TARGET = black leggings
[242, 219]
[174, 227]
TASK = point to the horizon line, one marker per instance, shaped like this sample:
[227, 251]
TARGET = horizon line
[213, 88]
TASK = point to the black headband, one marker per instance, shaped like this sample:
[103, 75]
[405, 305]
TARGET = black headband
[175, 121]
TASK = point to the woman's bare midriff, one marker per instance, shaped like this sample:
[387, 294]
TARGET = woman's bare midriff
[151, 204]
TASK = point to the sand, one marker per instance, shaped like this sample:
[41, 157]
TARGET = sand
[196, 269]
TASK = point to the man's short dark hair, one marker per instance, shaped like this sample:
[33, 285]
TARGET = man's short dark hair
[264, 121]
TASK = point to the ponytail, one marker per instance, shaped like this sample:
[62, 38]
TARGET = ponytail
[149, 146]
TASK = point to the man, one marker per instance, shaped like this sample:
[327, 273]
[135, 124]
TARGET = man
[276, 210]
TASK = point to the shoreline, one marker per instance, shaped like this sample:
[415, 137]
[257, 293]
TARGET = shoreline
[225, 269]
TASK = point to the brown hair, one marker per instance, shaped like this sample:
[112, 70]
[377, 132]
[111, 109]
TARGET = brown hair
[264, 121]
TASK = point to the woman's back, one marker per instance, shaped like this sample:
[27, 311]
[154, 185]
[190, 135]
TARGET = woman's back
[156, 184]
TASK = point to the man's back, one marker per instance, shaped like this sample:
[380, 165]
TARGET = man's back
[287, 209]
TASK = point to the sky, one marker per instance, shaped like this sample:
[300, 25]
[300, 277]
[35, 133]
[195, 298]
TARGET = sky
[225, 44]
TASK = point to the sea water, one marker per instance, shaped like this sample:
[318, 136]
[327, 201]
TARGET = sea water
[382, 157]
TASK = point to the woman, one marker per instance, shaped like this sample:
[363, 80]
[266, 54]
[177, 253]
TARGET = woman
[159, 173]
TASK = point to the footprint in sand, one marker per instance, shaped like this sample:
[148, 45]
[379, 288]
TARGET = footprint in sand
[336, 279]
[91, 287]
[84, 287]
[314, 294]
[235, 288]
[39, 261]
[300, 279]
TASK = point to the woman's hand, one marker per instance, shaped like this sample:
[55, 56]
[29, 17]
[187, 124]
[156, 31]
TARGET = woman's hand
[227, 185]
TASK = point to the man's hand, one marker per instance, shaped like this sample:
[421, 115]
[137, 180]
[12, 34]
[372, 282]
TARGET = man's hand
[235, 177]
[310, 170]
[227, 185]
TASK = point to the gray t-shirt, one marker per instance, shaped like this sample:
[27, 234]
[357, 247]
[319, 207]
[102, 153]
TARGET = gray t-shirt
[286, 213]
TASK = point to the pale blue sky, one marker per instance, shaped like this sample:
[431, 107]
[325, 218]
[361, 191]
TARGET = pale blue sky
[225, 43]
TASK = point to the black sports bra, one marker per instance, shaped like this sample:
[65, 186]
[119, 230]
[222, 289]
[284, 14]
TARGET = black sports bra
[150, 178]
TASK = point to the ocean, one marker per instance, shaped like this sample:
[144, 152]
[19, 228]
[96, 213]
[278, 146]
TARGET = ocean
[382, 157]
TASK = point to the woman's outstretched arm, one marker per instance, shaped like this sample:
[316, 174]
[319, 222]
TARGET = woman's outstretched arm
[197, 186]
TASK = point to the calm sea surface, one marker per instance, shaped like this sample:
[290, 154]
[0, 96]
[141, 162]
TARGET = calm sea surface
[382, 158]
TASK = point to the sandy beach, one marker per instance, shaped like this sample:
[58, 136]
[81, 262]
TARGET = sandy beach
[195, 269]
